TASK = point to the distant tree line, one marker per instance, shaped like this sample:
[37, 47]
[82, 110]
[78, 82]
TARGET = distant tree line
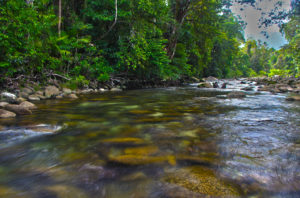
[144, 39]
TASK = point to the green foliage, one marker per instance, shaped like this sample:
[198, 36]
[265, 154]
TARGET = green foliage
[149, 39]
[279, 72]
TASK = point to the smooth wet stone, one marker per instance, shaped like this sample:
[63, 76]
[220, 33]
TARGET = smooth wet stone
[201, 180]
[51, 91]
[236, 94]
[28, 105]
[18, 109]
[66, 191]
[3, 104]
[33, 98]
[6, 114]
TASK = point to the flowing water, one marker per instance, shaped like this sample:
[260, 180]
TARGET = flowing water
[172, 142]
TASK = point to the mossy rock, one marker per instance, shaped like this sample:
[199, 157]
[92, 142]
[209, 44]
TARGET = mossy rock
[201, 180]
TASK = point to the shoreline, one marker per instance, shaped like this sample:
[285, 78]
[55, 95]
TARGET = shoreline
[21, 101]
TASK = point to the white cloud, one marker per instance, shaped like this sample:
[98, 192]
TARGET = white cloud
[252, 15]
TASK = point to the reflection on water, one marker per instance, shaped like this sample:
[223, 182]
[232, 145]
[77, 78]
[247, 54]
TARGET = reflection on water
[176, 142]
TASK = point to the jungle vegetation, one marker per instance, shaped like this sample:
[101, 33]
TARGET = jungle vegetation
[145, 39]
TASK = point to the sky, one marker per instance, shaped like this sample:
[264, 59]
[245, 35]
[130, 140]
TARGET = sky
[251, 16]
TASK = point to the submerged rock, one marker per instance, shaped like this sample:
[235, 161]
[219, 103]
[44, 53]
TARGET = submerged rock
[64, 191]
[145, 150]
[126, 140]
[236, 94]
[201, 180]
[141, 159]
[18, 109]
[6, 114]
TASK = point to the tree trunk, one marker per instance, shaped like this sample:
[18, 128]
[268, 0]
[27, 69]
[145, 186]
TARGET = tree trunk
[59, 18]
[180, 13]
[115, 21]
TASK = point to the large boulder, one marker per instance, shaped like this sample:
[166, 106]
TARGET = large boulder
[51, 91]
[66, 91]
[6, 114]
[8, 97]
[28, 105]
[3, 104]
[236, 94]
[205, 85]
[293, 98]
[27, 90]
[18, 109]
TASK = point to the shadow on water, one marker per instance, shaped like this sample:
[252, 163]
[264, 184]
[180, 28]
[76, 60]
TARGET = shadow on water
[174, 142]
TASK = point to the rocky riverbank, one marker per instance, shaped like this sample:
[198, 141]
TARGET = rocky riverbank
[274, 85]
[20, 101]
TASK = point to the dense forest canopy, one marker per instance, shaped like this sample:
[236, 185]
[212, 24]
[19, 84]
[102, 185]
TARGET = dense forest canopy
[144, 39]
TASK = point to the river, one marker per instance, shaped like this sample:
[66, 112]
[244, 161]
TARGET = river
[168, 142]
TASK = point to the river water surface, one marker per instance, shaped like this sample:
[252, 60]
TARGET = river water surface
[171, 142]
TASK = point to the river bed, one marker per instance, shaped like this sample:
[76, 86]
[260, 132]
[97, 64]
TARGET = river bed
[169, 142]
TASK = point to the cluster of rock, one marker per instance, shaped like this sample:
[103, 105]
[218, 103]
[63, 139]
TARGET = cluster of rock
[211, 82]
[279, 84]
[16, 103]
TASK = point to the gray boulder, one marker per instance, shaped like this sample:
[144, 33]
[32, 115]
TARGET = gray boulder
[28, 105]
[19, 110]
[236, 94]
[51, 92]
[6, 114]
